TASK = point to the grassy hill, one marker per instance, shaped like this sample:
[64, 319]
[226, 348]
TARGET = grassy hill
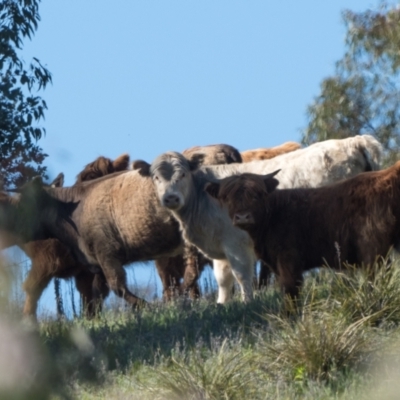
[341, 341]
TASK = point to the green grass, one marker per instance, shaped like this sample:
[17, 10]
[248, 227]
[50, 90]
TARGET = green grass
[341, 342]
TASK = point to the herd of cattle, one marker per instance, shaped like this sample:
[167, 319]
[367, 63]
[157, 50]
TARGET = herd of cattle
[208, 205]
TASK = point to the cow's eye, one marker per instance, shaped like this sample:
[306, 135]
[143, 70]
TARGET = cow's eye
[156, 178]
[91, 177]
[183, 175]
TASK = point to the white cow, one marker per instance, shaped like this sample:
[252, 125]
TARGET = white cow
[317, 165]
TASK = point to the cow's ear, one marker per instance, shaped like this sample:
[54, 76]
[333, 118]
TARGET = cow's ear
[121, 163]
[58, 181]
[37, 182]
[196, 161]
[234, 156]
[212, 188]
[142, 166]
[270, 182]
[228, 155]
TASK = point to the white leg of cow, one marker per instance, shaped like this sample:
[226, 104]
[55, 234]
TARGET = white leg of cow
[243, 270]
[224, 277]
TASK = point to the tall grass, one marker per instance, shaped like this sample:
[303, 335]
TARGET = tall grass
[341, 343]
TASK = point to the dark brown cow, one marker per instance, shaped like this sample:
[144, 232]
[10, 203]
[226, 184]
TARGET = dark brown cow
[52, 259]
[103, 166]
[353, 221]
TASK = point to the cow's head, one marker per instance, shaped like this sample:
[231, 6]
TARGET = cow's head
[8, 215]
[103, 166]
[245, 196]
[32, 200]
[17, 220]
[172, 176]
[213, 154]
[40, 207]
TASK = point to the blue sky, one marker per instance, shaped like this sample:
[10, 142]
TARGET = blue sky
[144, 77]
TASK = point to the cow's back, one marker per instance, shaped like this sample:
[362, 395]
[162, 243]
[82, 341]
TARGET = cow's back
[317, 165]
[353, 220]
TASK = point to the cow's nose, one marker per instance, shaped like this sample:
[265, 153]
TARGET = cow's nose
[242, 218]
[171, 200]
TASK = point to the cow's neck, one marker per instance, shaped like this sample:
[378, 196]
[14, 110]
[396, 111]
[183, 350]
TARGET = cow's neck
[188, 214]
[58, 221]
[194, 218]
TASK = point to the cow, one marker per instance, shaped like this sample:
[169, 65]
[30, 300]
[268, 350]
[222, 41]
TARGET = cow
[268, 153]
[189, 265]
[316, 165]
[52, 259]
[182, 191]
[218, 154]
[102, 166]
[214, 154]
[354, 221]
[106, 223]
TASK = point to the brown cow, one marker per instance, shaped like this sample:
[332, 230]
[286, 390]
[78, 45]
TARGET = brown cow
[102, 166]
[213, 154]
[52, 259]
[266, 154]
[106, 223]
[294, 230]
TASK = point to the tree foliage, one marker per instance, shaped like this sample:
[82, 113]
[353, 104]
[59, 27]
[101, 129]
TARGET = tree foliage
[363, 95]
[20, 108]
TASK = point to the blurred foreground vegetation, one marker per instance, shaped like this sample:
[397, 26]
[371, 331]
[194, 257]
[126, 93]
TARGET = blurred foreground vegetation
[343, 342]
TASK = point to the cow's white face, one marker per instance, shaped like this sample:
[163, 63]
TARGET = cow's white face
[173, 181]
[173, 184]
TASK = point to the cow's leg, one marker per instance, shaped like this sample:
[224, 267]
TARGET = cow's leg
[224, 277]
[34, 285]
[190, 278]
[265, 275]
[243, 270]
[192, 267]
[290, 279]
[100, 291]
[93, 290]
[115, 275]
[169, 275]
[84, 285]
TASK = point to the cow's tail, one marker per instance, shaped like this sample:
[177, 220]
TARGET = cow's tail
[372, 151]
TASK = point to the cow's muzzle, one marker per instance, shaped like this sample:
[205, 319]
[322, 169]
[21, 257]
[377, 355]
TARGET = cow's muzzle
[172, 201]
[243, 218]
